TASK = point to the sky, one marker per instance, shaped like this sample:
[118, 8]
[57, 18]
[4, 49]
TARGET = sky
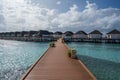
[59, 15]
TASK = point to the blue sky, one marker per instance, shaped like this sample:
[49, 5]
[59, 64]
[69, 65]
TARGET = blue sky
[65, 4]
[62, 15]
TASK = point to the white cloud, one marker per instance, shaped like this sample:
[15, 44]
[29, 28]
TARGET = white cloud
[90, 18]
[67, 19]
[58, 2]
[91, 6]
[19, 15]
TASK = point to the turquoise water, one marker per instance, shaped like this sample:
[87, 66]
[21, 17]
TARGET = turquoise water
[103, 60]
[16, 57]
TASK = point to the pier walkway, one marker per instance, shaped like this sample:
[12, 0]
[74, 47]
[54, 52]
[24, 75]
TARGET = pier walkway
[56, 65]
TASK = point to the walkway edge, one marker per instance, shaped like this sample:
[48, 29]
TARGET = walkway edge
[30, 69]
[34, 64]
[94, 78]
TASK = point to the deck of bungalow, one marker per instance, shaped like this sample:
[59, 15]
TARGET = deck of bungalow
[55, 64]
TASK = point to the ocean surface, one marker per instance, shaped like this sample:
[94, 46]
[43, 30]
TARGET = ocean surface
[16, 57]
[103, 60]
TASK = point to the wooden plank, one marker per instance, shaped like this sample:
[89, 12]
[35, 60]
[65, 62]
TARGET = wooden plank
[56, 65]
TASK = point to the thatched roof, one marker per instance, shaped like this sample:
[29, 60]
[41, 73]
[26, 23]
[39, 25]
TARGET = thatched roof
[43, 32]
[58, 32]
[95, 32]
[114, 32]
[68, 33]
[81, 32]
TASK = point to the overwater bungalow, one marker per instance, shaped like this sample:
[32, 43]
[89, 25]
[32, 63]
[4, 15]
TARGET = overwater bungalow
[1, 35]
[114, 34]
[51, 34]
[80, 35]
[6, 34]
[57, 35]
[95, 35]
[25, 33]
[12, 34]
[44, 35]
[32, 35]
[19, 34]
[68, 35]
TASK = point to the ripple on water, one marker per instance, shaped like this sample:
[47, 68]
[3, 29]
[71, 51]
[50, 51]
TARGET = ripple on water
[16, 57]
[12, 74]
[102, 69]
[103, 60]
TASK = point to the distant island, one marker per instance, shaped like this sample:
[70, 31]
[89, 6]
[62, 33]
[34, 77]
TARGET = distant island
[80, 36]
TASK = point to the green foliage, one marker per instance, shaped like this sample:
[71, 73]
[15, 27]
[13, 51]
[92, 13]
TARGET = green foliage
[52, 44]
[72, 53]
[62, 40]
[69, 52]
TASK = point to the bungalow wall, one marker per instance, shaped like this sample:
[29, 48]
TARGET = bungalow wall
[95, 36]
[19, 34]
[80, 36]
[67, 37]
[26, 35]
[2, 35]
[47, 37]
[56, 36]
[113, 36]
[13, 35]
[7, 35]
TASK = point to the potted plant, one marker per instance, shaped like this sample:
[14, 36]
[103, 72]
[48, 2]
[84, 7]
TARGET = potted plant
[69, 52]
[63, 40]
[52, 44]
[72, 53]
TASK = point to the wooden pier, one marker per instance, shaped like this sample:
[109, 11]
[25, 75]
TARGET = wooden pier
[56, 65]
